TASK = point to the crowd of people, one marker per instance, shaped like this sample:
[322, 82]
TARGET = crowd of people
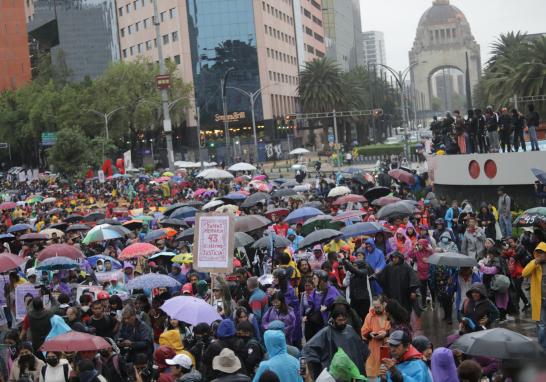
[338, 309]
[488, 131]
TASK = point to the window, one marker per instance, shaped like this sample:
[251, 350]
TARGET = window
[122, 32]
[120, 11]
[128, 8]
[139, 48]
[137, 26]
[268, 52]
[453, 32]
[124, 53]
[129, 29]
[263, 5]
[309, 31]
[165, 39]
[177, 59]
[145, 23]
[142, 3]
[174, 36]
[318, 37]
[135, 5]
[172, 13]
[162, 16]
[307, 13]
[131, 50]
[149, 45]
[442, 34]
[270, 76]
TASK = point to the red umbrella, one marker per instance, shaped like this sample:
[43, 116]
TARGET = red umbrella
[9, 261]
[277, 211]
[138, 250]
[350, 198]
[75, 341]
[384, 200]
[64, 250]
[33, 236]
[8, 206]
[402, 176]
[348, 215]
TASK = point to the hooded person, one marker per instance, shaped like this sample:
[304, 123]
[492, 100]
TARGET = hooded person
[279, 325]
[420, 253]
[320, 303]
[161, 354]
[284, 365]
[359, 294]
[342, 369]
[399, 281]
[400, 243]
[295, 239]
[443, 366]
[88, 373]
[319, 350]
[446, 244]
[374, 257]
[374, 331]
[478, 307]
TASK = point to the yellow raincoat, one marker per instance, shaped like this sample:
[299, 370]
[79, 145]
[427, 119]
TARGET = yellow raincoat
[534, 271]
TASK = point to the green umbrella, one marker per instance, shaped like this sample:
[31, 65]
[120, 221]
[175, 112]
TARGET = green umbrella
[342, 369]
[319, 222]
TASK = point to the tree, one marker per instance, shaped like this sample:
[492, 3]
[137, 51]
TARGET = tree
[71, 153]
[321, 86]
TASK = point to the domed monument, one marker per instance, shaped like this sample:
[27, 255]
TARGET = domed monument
[441, 45]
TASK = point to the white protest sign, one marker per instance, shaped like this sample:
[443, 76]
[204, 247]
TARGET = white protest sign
[100, 174]
[214, 240]
[22, 291]
[109, 276]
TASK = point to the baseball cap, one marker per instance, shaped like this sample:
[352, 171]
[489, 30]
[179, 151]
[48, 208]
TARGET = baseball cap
[181, 360]
[398, 337]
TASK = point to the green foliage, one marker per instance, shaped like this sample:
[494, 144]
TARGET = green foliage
[517, 67]
[50, 103]
[71, 153]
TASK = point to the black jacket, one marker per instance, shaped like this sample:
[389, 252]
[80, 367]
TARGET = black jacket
[39, 322]
[359, 282]
[398, 282]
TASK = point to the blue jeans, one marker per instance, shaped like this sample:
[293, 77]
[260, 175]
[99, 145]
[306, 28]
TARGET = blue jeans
[541, 325]
[533, 138]
[505, 225]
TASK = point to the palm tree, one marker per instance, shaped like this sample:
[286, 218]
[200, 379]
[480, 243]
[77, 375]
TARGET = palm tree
[321, 86]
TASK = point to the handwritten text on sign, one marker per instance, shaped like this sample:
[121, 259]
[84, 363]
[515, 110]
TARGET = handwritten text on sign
[213, 242]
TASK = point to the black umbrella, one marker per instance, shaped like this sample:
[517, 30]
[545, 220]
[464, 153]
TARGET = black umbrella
[171, 222]
[290, 184]
[252, 200]
[268, 241]
[186, 235]
[247, 223]
[78, 227]
[93, 217]
[184, 212]
[498, 343]
[452, 259]
[243, 239]
[109, 221]
[320, 236]
[283, 193]
[376, 192]
[62, 226]
[170, 209]
[193, 203]
[73, 218]
[398, 209]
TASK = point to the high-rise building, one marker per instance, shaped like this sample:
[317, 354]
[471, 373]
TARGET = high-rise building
[81, 35]
[14, 52]
[309, 30]
[206, 39]
[343, 31]
[374, 48]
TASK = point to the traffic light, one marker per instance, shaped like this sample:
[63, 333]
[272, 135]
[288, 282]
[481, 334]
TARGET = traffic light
[211, 145]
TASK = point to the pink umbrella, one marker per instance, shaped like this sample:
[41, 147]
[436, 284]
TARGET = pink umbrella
[75, 341]
[9, 261]
[384, 200]
[350, 198]
[162, 179]
[260, 177]
[348, 215]
[64, 250]
[138, 250]
[199, 191]
[263, 187]
[8, 206]
[402, 176]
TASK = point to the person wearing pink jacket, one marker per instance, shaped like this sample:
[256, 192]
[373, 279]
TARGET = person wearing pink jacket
[420, 254]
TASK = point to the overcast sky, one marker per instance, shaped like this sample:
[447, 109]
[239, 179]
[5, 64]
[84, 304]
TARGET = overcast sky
[398, 19]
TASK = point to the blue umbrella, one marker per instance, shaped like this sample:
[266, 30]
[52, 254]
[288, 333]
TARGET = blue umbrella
[234, 196]
[152, 280]
[183, 212]
[190, 220]
[280, 180]
[302, 214]
[93, 261]
[165, 254]
[20, 227]
[57, 263]
[540, 175]
[154, 235]
[361, 229]
[6, 237]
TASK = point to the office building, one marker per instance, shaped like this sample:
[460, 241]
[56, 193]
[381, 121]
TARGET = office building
[309, 30]
[14, 51]
[374, 48]
[343, 32]
[206, 38]
[81, 35]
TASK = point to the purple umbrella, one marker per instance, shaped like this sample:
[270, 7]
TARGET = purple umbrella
[152, 280]
[190, 310]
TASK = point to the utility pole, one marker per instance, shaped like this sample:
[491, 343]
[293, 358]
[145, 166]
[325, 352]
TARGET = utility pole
[404, 120]
[223, 84]
[336, 141]
[167, 124]
[198, 120]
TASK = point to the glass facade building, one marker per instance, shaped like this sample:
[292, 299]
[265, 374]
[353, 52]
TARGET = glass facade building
[81, 34]
[222, 36]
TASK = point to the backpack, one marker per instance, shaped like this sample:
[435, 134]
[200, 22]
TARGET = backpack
[65, 371]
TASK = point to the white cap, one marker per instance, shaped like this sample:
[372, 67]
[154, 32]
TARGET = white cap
[31, 272]
[181, 360]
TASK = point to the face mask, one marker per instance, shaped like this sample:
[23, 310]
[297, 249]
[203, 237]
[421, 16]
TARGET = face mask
[26, 358]
[445, 240]
[340, 327]
[52, 361]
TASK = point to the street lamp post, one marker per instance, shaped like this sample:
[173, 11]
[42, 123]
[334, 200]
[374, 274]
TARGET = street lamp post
[400, 78]
[252, 97]
[167, 124]
[223, 84]
[106, 117]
